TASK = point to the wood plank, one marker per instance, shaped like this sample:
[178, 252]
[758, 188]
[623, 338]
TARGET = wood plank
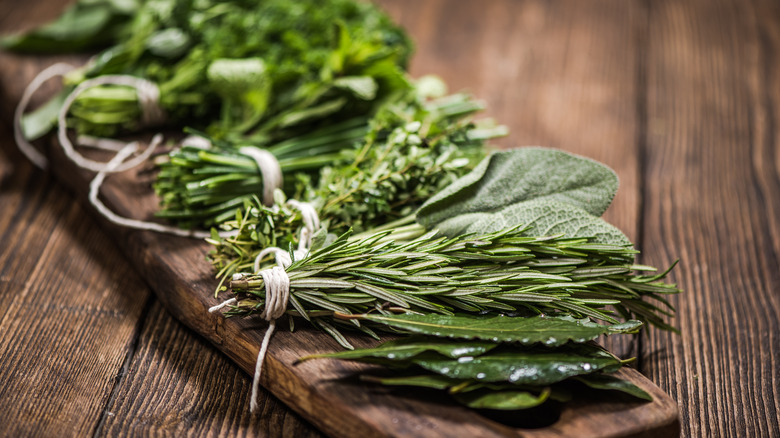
[66, 325]
[177, 384]
[712, 200]
[563, 74]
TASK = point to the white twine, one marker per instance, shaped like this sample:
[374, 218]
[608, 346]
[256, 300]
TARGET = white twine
[151, 112]
[277, 293]
[311, 221]
[94, 191]
[196, 142]
[149, 101]
[219, 306]
[37, 158]
[269, 168]
[105, 144]
[277, 285]
[148, 98]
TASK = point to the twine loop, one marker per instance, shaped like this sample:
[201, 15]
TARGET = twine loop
[148, 98]
[270, 170]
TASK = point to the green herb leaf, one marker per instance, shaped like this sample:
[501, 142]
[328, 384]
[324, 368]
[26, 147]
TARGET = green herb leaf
[434, 381]
[523, 367]
[37, 123]
[82, 26]
[504, 400]
[409, 347]
[550, 331]
[543, 217]
[607, 382]
[363, 87]
[514, 177]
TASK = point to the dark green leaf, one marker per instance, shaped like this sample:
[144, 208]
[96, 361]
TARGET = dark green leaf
[434, 381]
[607, 382]
[82, 26]
[551, 331]
[408, 347]
[503, 400]
[524, 367]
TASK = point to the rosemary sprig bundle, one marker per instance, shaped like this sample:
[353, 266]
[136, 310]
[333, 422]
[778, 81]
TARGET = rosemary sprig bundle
[505, 272]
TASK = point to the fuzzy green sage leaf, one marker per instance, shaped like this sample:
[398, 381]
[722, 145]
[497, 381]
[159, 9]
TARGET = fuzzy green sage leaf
[501, 187]
[543, 217]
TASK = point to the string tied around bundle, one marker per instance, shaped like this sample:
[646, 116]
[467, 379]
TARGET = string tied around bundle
[151, 113]
[277, 285]
[270, 170]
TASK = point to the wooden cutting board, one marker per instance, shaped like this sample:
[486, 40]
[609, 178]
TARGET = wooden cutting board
[177, 270]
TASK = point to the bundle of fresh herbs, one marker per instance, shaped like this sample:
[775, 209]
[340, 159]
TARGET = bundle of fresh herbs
[499, 272]
[262, 71]
[496, 363]
[373, 169]
[497, 278]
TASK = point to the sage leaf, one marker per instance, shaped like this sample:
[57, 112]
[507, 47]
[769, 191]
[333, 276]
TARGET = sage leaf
[607, 382]
[550, 331]
[542, 217]
[515, 176]
[513, 399]
[523, 367]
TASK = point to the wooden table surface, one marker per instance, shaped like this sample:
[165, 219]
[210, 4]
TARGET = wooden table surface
[681, 99]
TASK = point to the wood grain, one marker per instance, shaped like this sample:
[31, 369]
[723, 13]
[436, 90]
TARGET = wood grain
[177, 384]
[712, 200]
[681, 99]
[69, 307]
[70, 319]
[169, 265]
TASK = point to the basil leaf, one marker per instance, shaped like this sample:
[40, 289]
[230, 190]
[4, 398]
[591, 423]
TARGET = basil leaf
[36, 124]
[551, 331]
[362, 87]
[84, 25]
